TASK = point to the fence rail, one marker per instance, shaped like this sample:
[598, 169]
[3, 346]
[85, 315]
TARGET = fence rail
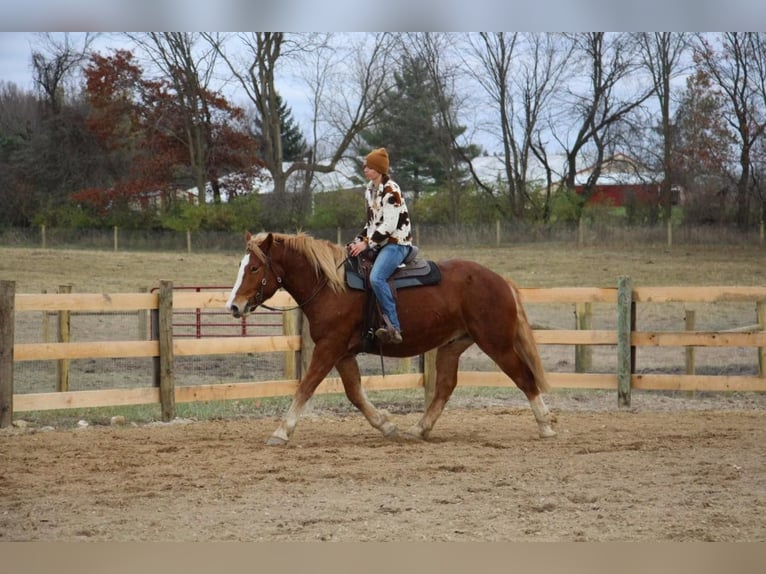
[296, 344]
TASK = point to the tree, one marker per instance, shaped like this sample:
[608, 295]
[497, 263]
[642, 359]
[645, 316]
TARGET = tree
[140, 160]
[703, 147]
[350, 107]
[138, 122]
[520, 73]
[409, 127]
[54, 62]
[294, 145]
[737, 69]
[609, 63]
[431, 57]
[19, 122]
[189, 70]
[662, 54]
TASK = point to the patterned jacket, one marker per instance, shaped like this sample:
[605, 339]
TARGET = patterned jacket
[388, 220]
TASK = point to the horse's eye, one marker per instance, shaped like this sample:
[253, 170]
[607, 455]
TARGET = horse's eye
[254, 269]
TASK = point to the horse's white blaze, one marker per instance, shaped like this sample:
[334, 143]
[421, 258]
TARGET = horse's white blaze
[238, 282]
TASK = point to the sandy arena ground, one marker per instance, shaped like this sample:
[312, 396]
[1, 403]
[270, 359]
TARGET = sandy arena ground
[655, 473]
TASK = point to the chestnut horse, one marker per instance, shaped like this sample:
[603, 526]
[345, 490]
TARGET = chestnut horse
[470, 305]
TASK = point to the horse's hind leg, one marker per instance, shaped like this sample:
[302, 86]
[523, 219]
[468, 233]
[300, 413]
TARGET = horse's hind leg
[348, 369]
[447, 361]
[512, 365]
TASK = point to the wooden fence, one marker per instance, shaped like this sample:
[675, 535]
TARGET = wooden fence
[296, 344]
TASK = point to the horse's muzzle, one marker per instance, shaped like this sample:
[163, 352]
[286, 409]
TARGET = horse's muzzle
[237, 312]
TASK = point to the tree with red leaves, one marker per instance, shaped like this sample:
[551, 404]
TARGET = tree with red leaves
[144, 131]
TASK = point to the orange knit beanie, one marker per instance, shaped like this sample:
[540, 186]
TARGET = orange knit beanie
[377, 159]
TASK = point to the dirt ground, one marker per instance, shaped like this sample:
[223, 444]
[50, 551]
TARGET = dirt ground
[685, 469]
[671, 468]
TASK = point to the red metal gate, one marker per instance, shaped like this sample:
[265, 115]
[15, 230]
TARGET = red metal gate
[200, 323]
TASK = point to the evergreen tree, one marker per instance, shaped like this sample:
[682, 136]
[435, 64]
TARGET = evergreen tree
[410, 127]
[294, 146]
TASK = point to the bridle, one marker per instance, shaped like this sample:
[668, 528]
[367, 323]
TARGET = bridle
[259, 294]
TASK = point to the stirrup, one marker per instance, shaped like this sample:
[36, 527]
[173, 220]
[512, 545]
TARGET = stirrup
[391, 336]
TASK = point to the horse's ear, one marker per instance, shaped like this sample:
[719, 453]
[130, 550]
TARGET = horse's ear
[248, 236]
[265, 245]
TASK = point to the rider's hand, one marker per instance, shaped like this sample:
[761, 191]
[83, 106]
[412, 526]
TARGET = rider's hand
[357, 247]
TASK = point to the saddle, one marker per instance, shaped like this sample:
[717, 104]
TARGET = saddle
[413, 272]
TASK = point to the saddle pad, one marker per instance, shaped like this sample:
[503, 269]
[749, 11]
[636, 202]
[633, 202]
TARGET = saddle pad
[418, 273]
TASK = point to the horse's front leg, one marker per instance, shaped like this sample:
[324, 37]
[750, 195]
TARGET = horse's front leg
[316, 372]
[348, 369]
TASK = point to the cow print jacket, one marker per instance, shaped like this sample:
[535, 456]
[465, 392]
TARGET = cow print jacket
[388, 220]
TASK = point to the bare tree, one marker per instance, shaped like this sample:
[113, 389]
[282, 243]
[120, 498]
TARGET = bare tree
[759, 183]
[609, 63]
[737, 69]
[345, 110]
[520, 73]
[662, 54]
[494, 52]
[55, 60]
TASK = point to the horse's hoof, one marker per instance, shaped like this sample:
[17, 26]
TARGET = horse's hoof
[547, 433]
[389, 430]
[413, 435]
[276, 441]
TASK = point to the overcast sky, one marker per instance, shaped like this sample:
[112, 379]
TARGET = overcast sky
[378, 15]
[354, 15]
[360, 16]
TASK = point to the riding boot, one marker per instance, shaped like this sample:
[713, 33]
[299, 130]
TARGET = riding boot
[388, 334]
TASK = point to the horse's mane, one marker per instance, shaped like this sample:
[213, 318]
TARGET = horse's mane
[325, 257]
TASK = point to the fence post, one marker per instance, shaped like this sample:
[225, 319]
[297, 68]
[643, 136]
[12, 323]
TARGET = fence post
[291, 325]
[583, 353]
[167, 382]
[760, 310]
[690, 324]
[670, 232]
[64, 330]
[625, 325]
[43, 236]
[143, 319]
[7, 327]
[46, 323]
[188, 241]
[155, 336]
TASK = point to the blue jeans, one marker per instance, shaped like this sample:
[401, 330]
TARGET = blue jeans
[386, 262]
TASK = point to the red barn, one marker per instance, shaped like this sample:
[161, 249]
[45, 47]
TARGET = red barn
[622, 181]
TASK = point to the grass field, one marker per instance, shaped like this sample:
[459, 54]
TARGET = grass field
[530, 265]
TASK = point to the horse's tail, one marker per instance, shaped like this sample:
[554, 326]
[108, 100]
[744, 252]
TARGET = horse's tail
[525, 344]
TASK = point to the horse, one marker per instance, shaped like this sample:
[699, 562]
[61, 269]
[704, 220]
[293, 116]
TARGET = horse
[471, 304]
